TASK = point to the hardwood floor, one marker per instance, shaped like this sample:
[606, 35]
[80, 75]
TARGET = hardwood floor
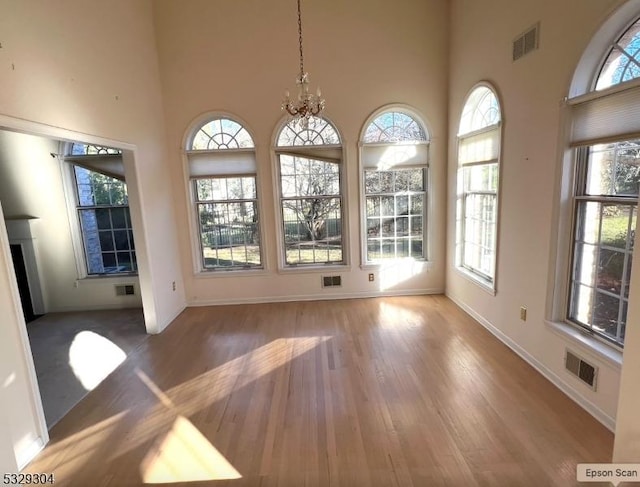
[403, 391]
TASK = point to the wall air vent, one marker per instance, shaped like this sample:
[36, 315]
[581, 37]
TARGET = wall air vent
[125, 290]
[582, 369]
[526, 42]
[331, 281]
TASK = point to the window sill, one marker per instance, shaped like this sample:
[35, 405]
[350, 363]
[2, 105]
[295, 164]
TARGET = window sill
[100, 277]
[315, 269]
[600, 349]
[213, 274]
[372, 266]
[486, 286]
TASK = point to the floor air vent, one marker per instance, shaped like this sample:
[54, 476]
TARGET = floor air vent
[581, 369]
[331, 281]
[125, 290]
[526, 42]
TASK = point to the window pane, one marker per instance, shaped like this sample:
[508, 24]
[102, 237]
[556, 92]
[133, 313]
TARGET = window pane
[602, 255]
[229, 233]
[401, 208]
[605, 314]
[394, 127]
[614, 169]
[312, 230]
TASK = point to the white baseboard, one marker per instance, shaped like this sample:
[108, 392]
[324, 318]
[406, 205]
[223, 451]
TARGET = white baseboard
[173, 316]
[24, 457]
[591, 408]
[311, 297]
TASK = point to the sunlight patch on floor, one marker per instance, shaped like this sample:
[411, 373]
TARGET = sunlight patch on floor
[93, 357]
[185, 455]
[394, 317]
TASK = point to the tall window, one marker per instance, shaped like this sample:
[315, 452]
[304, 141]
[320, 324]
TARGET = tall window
[394, 158]
[604, 136]
[310, 193]
[222, 170]
[103, 209]
[477, 187]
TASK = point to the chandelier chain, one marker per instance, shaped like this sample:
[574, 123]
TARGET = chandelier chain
[300, 39]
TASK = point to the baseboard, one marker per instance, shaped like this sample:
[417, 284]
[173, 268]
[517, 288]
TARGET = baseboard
[595, 411]
[24, 457]
[162, 326]
[312, 297]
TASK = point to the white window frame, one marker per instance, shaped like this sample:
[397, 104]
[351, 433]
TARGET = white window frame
[395, 156]
[333, 153]
[578, 130]
[106, 163]
[490, 156]
[212, 164]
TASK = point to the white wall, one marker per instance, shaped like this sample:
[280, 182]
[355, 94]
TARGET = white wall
[531, 91]
[88, 70]
[31, 184]
[240, 57]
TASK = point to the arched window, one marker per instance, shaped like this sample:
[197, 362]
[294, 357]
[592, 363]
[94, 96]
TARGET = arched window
[623, 62]
[310, 194]
[222, 171]
[605, 138]
[394, 158]
[477, 187]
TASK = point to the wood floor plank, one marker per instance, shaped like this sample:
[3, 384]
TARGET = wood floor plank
[402, 392]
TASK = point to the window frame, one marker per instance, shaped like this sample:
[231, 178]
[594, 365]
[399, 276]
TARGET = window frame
[206, 170]
[485, 281]
[425, 166]
[68, 162]
[582, 96]
[330, 153]
[580, 196]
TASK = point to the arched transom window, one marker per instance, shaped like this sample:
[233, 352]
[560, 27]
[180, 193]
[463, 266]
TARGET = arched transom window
[394, 157]
[310, 194]
[477, 187]
[222, 171]
[623, 62]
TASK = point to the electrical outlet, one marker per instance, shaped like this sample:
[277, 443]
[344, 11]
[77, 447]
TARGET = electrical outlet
[523, 313]
[372, 277]
[173, 285]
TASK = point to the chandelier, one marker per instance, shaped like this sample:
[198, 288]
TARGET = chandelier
[307, 105]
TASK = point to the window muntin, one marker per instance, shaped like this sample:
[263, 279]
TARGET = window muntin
[105, 223]
[394, 126]
[623, 61]
[395, 203]
[222, 170]
[310, 194]
[478, 177]
[319, 132]
[227, 209]
[604, 231]
[221, 134]
[394, 171]
[480, 111]
[79, 149]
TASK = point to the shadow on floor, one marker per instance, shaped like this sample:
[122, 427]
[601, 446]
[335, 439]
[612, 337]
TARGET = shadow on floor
[74, 351]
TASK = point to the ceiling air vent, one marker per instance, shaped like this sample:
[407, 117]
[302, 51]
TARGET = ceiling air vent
[526, 42]
[330, 281]
[582, 369]
[125, 290]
